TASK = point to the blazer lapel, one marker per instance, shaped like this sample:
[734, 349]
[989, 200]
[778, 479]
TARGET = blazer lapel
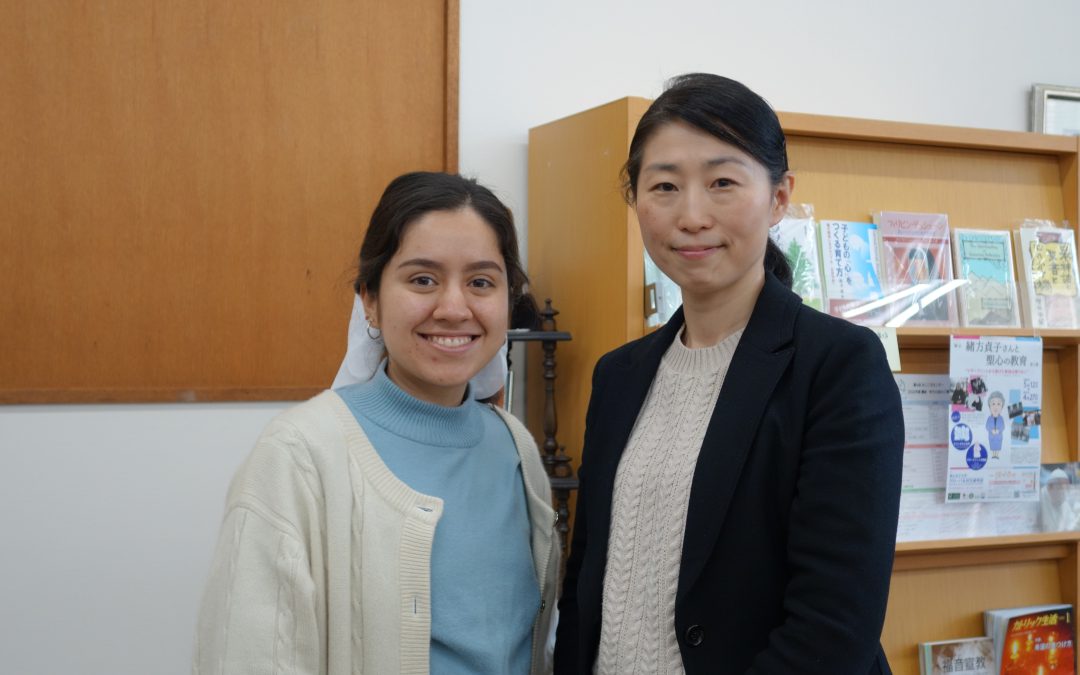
[759, 361]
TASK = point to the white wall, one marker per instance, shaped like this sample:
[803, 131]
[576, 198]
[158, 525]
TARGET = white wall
[959, 62]
[108, 514]
[108, 517]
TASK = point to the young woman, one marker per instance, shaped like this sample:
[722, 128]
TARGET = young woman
[397, 525]
[741, 468]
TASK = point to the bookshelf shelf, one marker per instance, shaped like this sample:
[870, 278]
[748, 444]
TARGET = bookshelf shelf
[585, 253]
[911, 548]
[938, 338]
[908, 133]
[956, 553]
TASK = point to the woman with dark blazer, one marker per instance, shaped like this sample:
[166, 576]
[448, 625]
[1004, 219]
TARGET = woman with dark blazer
[741, 470]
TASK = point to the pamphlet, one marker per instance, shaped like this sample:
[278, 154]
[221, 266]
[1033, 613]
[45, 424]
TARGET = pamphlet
[924, 515]
[994, 419]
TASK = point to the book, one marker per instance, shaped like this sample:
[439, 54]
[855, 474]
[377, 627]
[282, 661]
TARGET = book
[966, 656]
[1047, 256]
[797, 236]
[916, 258]
[1035, 640]
[984, 260]
[849, 252]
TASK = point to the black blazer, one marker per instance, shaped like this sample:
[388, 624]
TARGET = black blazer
[791, 528]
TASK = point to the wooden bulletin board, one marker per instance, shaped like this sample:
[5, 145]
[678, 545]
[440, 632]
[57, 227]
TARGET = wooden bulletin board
[184, 186]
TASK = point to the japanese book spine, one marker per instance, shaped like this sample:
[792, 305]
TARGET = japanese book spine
[984, 260]
[965, 656]
[850, 255]
[916, 256]
[1050, 290]
[797, 237]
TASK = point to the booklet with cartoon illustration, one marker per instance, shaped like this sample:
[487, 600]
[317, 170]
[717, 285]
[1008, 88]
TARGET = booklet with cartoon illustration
[995, 419]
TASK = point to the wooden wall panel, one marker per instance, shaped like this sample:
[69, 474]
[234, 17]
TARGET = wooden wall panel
[977, 188]
[184, 186]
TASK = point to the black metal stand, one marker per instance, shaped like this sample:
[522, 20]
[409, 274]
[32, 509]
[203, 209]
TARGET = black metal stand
[552, 453]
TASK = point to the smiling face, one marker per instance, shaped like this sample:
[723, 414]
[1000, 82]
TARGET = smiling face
[442, 305]
[705, 208]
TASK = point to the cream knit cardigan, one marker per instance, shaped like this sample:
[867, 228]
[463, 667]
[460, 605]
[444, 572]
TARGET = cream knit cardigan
[322, 565]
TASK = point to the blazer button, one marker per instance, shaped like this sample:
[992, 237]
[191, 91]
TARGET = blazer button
[695, 635]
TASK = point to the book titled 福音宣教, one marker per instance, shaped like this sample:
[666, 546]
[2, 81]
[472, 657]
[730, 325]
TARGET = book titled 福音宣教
[964, 656]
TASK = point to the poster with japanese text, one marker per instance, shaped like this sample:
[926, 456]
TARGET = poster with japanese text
[924, 514]
[995, 415]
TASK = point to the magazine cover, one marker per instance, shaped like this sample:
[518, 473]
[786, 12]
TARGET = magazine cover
[1048, 257]
[984, 261]
[916, 257]
[850, 266]
[995, 418]
[1035, 642]
[966, 656]
[796, 235]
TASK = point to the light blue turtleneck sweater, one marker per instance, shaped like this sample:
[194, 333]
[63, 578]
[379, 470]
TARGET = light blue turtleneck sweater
[484, 593]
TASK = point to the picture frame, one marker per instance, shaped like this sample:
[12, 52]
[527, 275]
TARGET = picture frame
[1055, 109]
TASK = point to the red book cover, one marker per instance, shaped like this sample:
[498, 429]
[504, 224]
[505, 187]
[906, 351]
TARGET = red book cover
[1040, 643]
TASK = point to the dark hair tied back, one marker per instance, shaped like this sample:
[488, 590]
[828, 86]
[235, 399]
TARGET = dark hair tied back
[729, 111]
[411, 196]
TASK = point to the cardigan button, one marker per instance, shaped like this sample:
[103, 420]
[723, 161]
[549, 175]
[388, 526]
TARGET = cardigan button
[695, 635]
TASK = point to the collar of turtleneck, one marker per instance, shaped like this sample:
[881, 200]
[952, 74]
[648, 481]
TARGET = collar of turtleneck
[384, 403]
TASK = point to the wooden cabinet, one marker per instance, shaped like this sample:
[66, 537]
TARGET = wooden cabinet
[585, 253]
[184, 187]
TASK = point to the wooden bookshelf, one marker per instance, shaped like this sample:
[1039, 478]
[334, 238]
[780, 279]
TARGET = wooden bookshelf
[585, 253]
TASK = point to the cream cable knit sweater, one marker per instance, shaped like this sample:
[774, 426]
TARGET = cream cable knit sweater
[323, 559]
[652, 490]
